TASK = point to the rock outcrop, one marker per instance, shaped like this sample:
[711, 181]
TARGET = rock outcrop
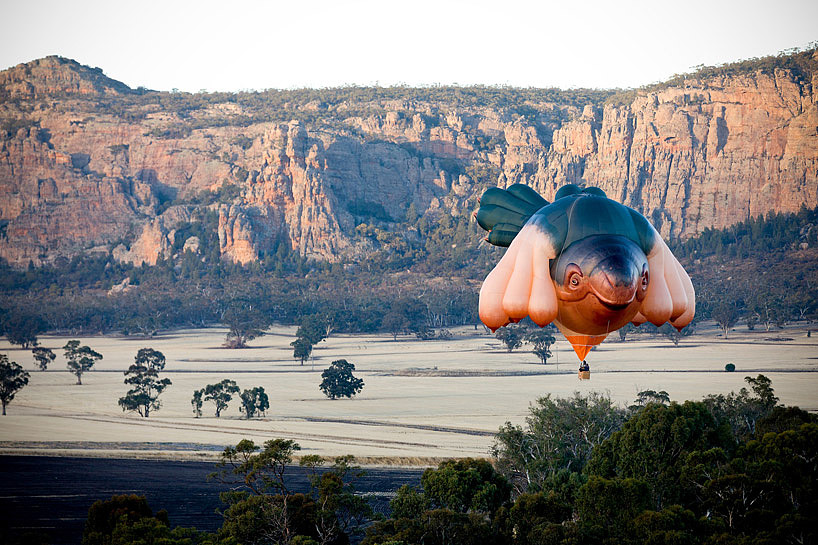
[157, 238]
[89, 165]
[707, 154]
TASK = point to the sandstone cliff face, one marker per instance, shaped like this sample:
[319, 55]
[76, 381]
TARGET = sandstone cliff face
[78, 175]
[708, 154]
[52, 206]
[157, 238]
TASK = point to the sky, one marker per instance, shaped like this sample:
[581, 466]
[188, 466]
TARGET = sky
[253, 44]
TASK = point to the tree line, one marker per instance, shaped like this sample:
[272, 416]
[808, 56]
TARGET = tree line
[146, 386]
[762, 270]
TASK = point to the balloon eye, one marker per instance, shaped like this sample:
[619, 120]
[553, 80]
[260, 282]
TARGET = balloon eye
[573, 276]
[645, 280]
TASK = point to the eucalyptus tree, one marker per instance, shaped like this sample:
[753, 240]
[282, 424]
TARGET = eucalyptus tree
[12, 379]
[80, 358]
[146, 386]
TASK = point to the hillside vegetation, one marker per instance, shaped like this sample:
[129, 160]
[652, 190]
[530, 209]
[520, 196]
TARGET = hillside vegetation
[765, 270]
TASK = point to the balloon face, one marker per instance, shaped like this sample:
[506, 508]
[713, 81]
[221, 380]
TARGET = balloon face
[600, 283]
[584, 262]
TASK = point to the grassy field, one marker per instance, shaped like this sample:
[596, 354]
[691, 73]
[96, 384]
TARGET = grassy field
[423, 400]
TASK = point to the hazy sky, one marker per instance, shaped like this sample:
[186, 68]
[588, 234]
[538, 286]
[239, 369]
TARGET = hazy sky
[244, 44]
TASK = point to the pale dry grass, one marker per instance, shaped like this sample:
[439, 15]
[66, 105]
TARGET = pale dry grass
[423, 401]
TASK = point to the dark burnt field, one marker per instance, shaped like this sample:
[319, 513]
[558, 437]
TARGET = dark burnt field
[51, 496]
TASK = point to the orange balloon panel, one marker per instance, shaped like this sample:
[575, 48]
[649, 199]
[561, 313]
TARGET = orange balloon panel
[582, 344]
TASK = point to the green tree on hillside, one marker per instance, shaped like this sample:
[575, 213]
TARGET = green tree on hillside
[116, 515]
[467, 485]
[650, 396]
[340, 511]
[143, 376]
[741, 411]
[726, 314]
[463, 502]
[653, 444]
[245, 321]
[261, 508]
[22, 328]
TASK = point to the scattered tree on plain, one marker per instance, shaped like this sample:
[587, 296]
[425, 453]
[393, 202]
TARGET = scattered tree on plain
[12, 380]
[541, 339]
[312, 330]
[80, 358]
[254, 402]
[302, 348]
[196, 402]
[143, 376]
[220, 394]
[44, 356]
[338, 380]
[512, 335]
[726, 314]
[625, 330]
[245, 321]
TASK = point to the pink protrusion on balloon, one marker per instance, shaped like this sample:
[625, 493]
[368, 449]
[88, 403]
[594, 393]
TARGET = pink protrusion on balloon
[542, 307]
[687, 316]
[657, 305]
[518, 290]
[674, 284]
[494, 287]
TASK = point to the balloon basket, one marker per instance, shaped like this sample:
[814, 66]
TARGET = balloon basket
[584, 375]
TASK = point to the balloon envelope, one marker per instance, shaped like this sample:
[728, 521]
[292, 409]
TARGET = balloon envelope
[586, 263]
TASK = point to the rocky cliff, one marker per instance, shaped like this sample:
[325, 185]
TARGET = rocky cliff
[89, 165]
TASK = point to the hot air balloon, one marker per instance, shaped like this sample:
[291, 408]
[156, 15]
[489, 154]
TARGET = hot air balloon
[585, 262]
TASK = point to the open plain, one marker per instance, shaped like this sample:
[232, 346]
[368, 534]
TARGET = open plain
[422, 400]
